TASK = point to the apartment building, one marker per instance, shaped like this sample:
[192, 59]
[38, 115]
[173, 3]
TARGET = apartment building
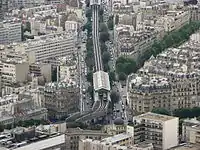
[133, 43]
[14, 108]
[160, 130]
[128, 19]
[114, 129]
[61, 98]
[44, 25]
[74, 135]
[119, 8]
[4, 6]
[67, 69]
[116, 142]
[193, 134]
[10, 32]
[10, 51]
[41, 69]
[16, 88]
[72, 26]
[156, 8]
[49, 46]
[194, 12]
[173, 20]
[13, 72]
[190, 131]
[33, 138]
[27, 3]
[169, 81]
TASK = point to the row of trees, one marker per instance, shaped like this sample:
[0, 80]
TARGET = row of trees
[89, 59]
[26, 123]
[172, 39]
[104, 37]
[181, 113]
[110, 22]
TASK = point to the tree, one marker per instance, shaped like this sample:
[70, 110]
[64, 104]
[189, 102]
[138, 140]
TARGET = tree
[89, 77]
[115, 97]
[88, 26]
[89, 61]
[161, 111]
[110, 23]
[103, 47]
[90, 91]
[187, 112]
[101, 12]
[116, 19]
[54, 75]
[112, 76]
[88, 13]
[28, 26]
[125, 65]
[106, 57]
[63, 20]
[1, 127]
[104, 36]
[103, 27]
[106, 67]
[122, 76]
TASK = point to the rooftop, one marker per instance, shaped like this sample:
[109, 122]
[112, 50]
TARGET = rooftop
[187, 146]
[143, 145]
[101, 80]
[44, 143]
[156, 117]
[116, 138]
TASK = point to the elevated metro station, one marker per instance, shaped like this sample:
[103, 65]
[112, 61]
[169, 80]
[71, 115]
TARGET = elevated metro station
[95, 2]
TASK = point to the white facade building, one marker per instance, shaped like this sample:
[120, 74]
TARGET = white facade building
[10, 32]
[71, 26]
[161, 130]
[49, 46]
[13, 72]
[27, 3]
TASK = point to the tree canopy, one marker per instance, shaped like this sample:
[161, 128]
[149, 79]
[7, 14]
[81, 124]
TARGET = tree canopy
[106, 56]
[116, 19]
[114, 96]
[104, 36]
[103, 27]
[110, 23]
[89, 77]
[187, 112]
[125, 65]
[122, 76]
[88, 13]
[161, 111]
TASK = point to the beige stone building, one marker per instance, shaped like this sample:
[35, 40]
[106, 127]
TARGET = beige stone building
[116, 142]
[74, 135]
[191, 131]
[61, 99]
